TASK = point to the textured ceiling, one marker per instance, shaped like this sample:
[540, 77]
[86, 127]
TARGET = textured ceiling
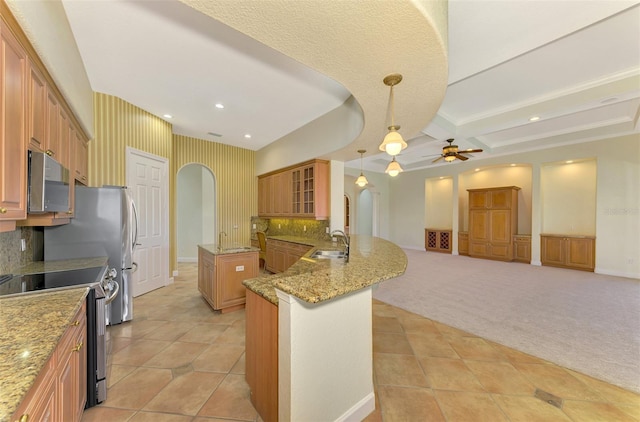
[280, 64]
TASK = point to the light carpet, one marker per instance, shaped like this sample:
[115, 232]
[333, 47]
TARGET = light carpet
[583, 321]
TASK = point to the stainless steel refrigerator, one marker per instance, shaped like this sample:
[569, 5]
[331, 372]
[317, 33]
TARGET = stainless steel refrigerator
[105, 223]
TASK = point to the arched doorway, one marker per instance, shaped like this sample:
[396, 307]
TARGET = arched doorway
[196, 210]
[365, 213]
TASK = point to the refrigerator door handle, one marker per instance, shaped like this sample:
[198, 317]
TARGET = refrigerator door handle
[135, 226]
[134, 267]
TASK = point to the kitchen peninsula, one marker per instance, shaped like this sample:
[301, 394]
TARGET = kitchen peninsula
[309, 333]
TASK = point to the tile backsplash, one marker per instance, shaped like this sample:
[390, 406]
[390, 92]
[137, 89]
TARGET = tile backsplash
[312, 229]
[11, 257]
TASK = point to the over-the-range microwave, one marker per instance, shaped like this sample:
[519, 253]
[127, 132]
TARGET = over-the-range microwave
[48, 184]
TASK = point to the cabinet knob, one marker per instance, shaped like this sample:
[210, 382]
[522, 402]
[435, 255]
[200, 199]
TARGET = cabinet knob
[24, 418]
[84, 177]
[75, 323]
[70, 212]
[3, 210]
[50, 153]
[77, 348]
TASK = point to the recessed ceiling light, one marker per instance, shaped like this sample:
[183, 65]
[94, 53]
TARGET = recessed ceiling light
[568, 161]
[247, 135]
[168, 116]
[219, 105]
[534, 118]
[513, 165]
[477, 170]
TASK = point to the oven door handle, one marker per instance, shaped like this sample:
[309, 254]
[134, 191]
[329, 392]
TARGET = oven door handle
[113, 295]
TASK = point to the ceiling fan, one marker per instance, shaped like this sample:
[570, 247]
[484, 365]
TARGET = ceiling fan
[450, 152]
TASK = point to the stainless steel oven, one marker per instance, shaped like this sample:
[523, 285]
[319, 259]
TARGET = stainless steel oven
[102, 291]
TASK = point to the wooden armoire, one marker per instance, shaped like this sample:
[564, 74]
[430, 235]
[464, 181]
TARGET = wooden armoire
[493, 220]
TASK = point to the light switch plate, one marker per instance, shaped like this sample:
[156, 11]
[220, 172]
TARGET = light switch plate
[239, 268]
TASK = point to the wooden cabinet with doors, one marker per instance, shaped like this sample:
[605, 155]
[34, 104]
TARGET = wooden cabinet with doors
[300, 191]
[261, 342]
[220, 277]
[282, 254]
[37, 109]
[80, 157]
[575, 252]
[493, 220]
[13, 127]
[60, 390]
[463, 243]
[522, 248]
[437, 240]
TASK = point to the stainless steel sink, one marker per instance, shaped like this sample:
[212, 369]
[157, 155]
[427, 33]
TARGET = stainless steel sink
[328, 254]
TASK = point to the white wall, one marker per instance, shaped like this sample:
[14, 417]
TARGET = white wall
[196, 210]
[439, 203]
[617, 209]
[379, 188]
[568, 198]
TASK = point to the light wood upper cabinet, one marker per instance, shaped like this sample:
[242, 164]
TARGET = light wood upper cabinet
[64, 127]
[13, 127]
[493, 220]
[300, 191]
[81, 157]
[52, 146]
[37, 109]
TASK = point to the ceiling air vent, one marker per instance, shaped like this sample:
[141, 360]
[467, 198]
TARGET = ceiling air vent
[217, 135]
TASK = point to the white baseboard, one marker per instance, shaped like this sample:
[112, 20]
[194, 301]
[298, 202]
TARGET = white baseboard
[536, 263]
[617, 273]
[360, 410]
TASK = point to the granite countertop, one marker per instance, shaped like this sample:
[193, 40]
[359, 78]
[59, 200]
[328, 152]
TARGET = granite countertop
[32, 325]
[61, 265]
[212, 248]
[371, 261]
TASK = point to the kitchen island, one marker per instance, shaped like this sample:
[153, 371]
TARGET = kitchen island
[321, 343]
[221, 272]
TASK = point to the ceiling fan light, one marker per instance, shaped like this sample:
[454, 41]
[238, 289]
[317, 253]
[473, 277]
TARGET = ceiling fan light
[362, 181]
[449, 158]
[393, 142]
[393, 169]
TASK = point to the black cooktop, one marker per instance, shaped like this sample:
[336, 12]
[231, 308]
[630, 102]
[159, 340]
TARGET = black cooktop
[52, 280]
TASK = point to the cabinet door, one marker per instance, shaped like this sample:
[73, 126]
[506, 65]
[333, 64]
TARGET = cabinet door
[13, 123]
[231, 271]
[522, 249]
[500, 226]
[63, 147]
[500, 198]
[478, 199]
[479, 225]
[40, 404]
[463, 244]
[308, 190]
[553, 250]
[580, 253]
[37, 109]
[72, 354]
[81, 157]
[296, 191]
[53, 126]
[261, 196]
[280, 260]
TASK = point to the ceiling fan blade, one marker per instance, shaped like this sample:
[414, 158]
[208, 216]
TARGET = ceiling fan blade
[461, 157]
[438, 159]
[471, 150]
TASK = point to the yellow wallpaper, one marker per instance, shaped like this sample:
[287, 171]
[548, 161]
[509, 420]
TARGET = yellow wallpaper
[120, 124]
[236, 183]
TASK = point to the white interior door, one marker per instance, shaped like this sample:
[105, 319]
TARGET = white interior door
[147, 177]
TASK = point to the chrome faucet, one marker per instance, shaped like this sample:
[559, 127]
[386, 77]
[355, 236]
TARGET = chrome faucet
[345, 240]
[220, 240]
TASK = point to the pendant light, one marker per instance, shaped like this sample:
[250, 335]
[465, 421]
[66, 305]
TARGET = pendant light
[393, 169]
[361, 180]
[393, 142]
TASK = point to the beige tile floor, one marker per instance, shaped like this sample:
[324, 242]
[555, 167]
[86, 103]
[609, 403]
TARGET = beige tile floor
[180, 361]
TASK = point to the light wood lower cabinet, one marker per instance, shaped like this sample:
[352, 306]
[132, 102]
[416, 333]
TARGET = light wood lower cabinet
[220, 278]
[261, 345]
[281, 254]
[463, 243]
[60, 390]
[575, 252]
[522, 248]
[437, 240]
